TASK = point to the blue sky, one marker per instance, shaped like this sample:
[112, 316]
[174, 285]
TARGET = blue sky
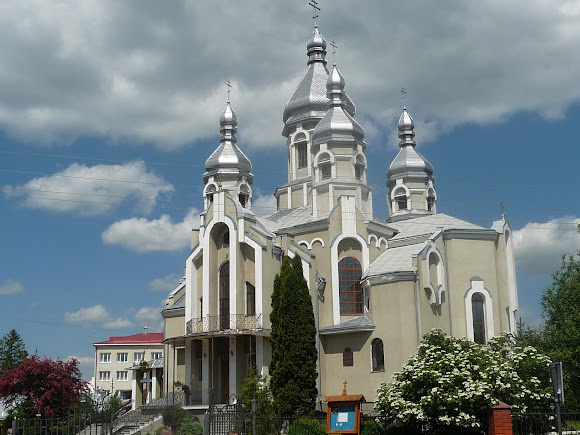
[108, 111]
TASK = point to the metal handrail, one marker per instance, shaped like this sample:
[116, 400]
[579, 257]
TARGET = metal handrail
[243, 322]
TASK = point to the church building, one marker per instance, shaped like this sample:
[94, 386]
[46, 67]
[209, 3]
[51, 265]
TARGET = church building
[377, 286]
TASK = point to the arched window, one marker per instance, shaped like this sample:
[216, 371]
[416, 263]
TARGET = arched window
[209, 194]
[378, 355]
[400, 199]
[477, 309]
[224, 291]
[244, 195]
[347, 357]
[350, 289]
[301, 155]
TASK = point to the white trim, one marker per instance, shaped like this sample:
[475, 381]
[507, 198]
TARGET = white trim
[478, 287]
[334, 267]
[258, 273]
[512, 285]
[316, 239]
[436, 291]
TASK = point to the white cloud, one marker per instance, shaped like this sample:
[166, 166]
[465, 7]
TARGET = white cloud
[154, 72]
[150, 317]
[538, 247]
[143, 235]
[11, 287]
[91, 190]
[97, 315]
[263, 205]
[165, 284]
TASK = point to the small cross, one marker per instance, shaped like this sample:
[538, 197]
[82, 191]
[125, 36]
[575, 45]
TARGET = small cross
[334, 46]
[404, 92]
[315, 8]
[229, 85]
[502, 211]
[344, 389]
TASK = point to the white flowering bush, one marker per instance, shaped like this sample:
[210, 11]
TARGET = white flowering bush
[452, 383]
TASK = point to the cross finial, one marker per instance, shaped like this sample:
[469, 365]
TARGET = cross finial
[229, 85]
[334, 46]
[315, 8]
[404, 95]
[344, 388]
[502, 211]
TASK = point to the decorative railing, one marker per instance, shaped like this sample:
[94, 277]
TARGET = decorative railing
[237, 322]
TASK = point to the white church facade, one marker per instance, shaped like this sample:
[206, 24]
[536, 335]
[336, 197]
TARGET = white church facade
[376, 285]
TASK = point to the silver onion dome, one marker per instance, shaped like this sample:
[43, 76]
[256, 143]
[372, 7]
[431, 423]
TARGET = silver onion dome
[309, 101]
[409, 160]
[337, 124]
[227, 158]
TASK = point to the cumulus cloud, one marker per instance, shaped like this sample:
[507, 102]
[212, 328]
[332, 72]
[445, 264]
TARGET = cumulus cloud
[143, 235]
[263, 205]
[97, 315]
[150, 317]
[154, 72]
[11, 287]
[164, 284]
[92, 190]
[539, 246]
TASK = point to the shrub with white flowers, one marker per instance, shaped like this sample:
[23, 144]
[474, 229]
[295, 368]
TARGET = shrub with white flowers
[452, 383]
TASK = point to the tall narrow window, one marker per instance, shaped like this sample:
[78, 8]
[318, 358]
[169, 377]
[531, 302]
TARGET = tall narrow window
[224, 290]
[431, 200]
[324, 166]
[347, 357]
[359, 167]
[378, 355]
[478, 318]
[401, 199]
[301, 155]
[350, 289]
[250, 299]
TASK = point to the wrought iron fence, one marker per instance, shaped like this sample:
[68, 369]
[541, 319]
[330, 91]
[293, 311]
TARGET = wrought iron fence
[77, 421]
[240, 322]
[542, 423]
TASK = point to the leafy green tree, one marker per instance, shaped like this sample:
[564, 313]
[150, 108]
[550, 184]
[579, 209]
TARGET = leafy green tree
[42, 386]
[173, 415]
[12, 351]
[189, 427]
[449, 384]
[257, 387]
[293, 342]
[561, 312]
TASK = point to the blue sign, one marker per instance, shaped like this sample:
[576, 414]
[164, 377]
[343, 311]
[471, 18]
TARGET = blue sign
[343, 418]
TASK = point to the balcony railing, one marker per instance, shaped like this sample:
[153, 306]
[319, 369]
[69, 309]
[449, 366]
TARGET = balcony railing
[236, 322]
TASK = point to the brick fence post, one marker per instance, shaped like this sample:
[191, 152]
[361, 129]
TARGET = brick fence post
[500, 420]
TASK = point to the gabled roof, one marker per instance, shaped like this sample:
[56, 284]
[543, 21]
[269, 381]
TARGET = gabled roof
[394, 260]
[288, 218]
[427, 225]
[149, 338]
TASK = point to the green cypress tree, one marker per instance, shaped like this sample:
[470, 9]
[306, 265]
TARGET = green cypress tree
[12, 351]
[293, 342]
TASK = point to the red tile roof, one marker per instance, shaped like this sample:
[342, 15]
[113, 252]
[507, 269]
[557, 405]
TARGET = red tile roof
[151, 338]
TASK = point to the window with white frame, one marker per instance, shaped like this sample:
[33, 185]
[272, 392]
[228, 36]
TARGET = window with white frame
[324, 166]
[122, 357]
[359, 167]
[138, 357]
[105, 357]
[431, 200]
[301, 155]
[104, 376]
[156, 355]
[122, 375]
[479, 312]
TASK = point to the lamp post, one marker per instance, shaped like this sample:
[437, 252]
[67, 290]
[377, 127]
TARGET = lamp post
[254, 403]
[111, 403]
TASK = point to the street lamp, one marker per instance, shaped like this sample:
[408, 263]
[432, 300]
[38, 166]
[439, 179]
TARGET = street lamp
[254, 403]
